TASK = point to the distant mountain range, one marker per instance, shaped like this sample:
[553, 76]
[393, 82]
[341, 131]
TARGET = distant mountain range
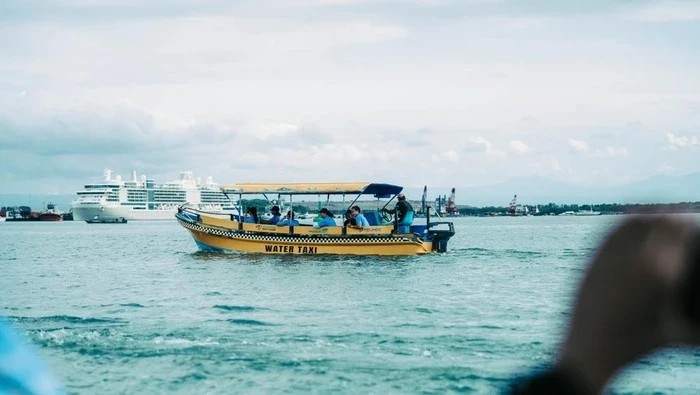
[538, 190]
[530, 190]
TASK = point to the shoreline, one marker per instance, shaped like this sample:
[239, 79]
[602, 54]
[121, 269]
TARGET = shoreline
[551, 209]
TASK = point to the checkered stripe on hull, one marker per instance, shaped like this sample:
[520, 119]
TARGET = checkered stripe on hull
[324, 239]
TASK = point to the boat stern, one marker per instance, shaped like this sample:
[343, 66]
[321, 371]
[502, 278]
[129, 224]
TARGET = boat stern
[441, 236]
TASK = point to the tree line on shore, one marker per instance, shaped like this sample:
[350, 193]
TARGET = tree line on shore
[603, 208]
[544, 209]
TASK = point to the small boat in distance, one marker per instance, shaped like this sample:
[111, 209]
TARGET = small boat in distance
[97, 220]
[587, 213]
[567, 213]
[516, 210]
[50, 214]
[229, 232]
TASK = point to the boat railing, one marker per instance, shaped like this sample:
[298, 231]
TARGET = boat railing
[200, 211]
[265, 228]
[371, 230]
[310, 230]
[219, 222]
[230, 223]
[437, 223]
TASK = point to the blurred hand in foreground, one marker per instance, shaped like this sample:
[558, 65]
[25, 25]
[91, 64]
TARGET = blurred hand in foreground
[640, 293]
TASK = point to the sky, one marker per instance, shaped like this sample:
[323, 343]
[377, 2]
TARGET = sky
[414, 92]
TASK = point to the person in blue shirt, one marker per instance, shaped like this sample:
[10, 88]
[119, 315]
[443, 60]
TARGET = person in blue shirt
[251, 216]
[288, 220]
[276, 216]
[360, 219]
[326, 219]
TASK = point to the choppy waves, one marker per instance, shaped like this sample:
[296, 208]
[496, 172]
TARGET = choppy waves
[160, 317]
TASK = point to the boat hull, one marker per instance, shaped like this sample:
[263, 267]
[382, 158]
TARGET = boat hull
[107, 221]
[214, 239]
[50, 217]
[84, 213]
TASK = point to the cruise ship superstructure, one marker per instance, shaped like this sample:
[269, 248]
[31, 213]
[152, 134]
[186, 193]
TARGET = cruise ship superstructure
[144, 199]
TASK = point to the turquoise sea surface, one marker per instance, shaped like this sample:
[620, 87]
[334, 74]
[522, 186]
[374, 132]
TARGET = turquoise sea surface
[135, 308]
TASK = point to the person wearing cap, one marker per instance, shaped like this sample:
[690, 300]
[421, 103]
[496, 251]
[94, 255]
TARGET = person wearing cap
[326, 219]
[404, 212]
[276, 216]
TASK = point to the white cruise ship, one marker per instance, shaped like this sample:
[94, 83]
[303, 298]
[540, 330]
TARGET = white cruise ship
[145, 199]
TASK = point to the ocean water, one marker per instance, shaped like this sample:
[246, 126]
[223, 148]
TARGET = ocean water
[136, 308]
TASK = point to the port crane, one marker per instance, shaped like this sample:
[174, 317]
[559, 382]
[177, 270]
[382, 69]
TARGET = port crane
[451, 207]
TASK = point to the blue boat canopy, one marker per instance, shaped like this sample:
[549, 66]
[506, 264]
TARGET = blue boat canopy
[382, 190]
[379, 190]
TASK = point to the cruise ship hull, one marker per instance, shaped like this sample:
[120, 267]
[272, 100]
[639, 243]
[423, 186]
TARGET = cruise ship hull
[84, 213]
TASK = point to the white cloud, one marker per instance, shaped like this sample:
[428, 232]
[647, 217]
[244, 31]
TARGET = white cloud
[665, 169]
[681, 142]
[482, 145]
[579, 145]
[255, 159]
[666, 11]
[614, 152]
[361, 90]
[478, 144]
[519, 147]
[268, 130]
[582, 147]
[447, 157]
[324, 157]
[550, 166]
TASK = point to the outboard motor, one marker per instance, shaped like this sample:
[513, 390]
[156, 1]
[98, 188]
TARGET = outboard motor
[440, 237]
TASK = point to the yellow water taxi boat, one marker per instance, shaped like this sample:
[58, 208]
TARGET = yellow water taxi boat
[229, 232]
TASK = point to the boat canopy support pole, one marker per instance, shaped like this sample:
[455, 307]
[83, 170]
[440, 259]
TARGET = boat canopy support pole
[229, 199]
[427, 216]
[291, 210]
[387, 203]
[353, 202]
[240, 210]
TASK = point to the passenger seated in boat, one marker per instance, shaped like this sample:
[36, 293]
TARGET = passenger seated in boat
[360, 219]
[349, 219]
[276, 216]
[251, 216]
[288, 220]
[404, 212]
[326, 219]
